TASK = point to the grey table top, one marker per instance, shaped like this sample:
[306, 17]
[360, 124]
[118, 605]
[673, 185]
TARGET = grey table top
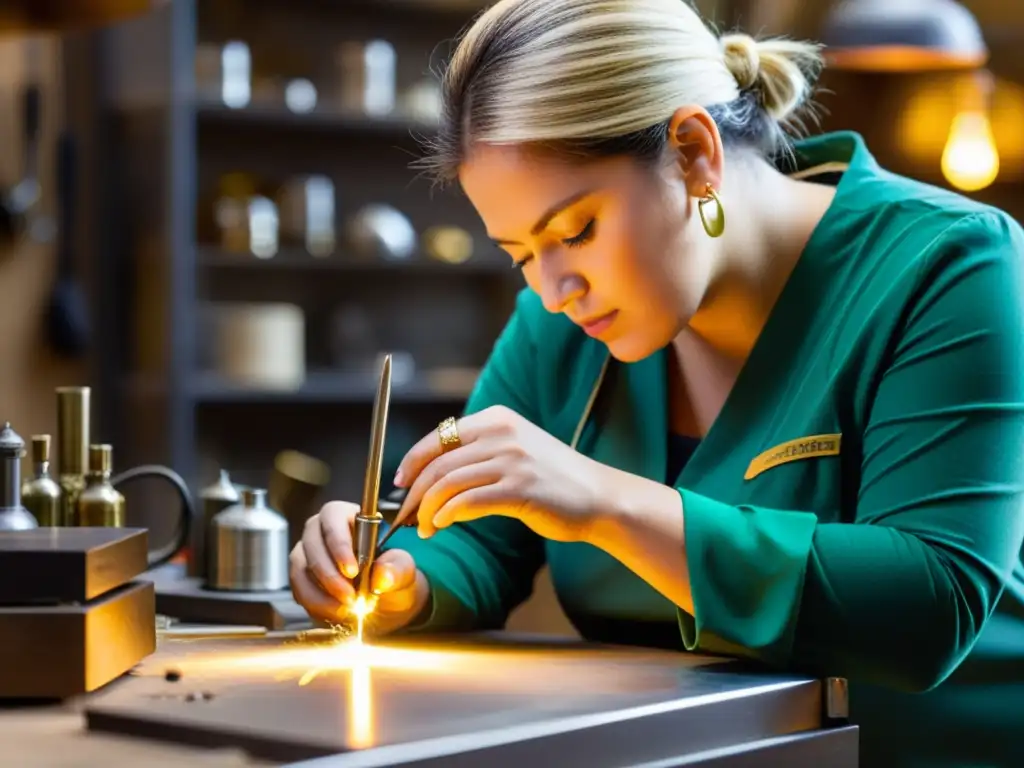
[264, 695]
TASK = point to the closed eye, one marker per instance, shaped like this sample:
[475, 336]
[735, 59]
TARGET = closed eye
[585, 236]
[576, 241]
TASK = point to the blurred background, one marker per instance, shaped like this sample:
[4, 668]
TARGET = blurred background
[209, 215]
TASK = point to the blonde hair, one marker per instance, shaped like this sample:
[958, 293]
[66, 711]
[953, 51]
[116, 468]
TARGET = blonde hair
[602, 77]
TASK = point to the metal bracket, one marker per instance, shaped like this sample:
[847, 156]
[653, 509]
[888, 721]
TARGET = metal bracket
[837, 700]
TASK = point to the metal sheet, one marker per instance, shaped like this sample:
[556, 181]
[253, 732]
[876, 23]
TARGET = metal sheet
[446, 700]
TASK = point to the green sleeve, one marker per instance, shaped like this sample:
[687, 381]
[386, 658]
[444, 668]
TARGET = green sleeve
[480, 571]
[899, 596]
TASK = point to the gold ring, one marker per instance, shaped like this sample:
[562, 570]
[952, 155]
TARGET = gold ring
[448, 434]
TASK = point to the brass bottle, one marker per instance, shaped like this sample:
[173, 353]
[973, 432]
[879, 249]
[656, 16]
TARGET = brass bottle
[40, 494]
[100, 505]
[72, 446]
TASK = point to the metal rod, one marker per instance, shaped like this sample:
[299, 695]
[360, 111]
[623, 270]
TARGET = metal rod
[378, 429]
[367, 522]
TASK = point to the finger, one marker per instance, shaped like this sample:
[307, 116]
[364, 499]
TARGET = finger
[451, 485]
[336, 529]
[470, 429]
[321, 564]
[310, 596]
[440, 467]
[393, 570]
[473, 504]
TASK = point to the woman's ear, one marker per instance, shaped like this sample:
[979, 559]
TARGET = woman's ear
[696, 145]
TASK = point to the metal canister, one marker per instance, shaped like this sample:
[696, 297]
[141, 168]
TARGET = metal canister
[213, 500]
[100, 505]
[13, 516]
[296, 485]
[249, 542]
[40, 494]
[72, 446]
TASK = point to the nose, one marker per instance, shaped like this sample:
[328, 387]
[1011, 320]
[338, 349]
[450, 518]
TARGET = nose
[559, 288]
[559, 293]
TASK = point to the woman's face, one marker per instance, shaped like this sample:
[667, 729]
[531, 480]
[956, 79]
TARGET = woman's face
[613, 244]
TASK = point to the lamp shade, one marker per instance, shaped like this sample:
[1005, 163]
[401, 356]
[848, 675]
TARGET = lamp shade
[32, 16]
[903, 35]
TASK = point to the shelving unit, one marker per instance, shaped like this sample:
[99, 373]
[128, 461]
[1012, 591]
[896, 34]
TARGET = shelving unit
[157, 150]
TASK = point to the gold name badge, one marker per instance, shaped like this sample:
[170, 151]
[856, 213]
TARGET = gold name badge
[811, 447]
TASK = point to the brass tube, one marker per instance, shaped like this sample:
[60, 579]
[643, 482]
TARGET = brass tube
[72, 447]
[72, 430]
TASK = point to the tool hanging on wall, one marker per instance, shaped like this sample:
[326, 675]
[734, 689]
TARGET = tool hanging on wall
[18, 203]
[67, 316]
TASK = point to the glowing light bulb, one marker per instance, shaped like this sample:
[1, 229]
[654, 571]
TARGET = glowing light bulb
[970, 161]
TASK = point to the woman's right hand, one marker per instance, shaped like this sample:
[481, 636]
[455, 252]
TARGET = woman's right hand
[323, 566]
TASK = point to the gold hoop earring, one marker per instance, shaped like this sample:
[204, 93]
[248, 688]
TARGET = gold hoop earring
[715, 225]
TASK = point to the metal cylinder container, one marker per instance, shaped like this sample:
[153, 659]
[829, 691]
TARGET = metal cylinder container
[296, 485]
[40, 494]
[249, 544]
[13, 516]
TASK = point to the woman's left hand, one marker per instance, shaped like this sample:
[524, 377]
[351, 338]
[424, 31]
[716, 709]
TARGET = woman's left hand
[507, 466]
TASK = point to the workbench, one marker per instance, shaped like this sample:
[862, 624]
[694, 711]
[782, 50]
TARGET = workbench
[490, 700]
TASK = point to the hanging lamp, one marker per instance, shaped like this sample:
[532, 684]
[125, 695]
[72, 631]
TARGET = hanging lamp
[903, 36]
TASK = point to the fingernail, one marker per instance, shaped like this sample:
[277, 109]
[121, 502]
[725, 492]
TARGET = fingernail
[422, 534]
[384, 580]
[351, 570]
[399, 481]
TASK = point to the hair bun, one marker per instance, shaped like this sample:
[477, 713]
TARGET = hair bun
[782, 71]
[742, 59]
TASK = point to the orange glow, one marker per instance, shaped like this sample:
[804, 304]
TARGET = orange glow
[900, 58]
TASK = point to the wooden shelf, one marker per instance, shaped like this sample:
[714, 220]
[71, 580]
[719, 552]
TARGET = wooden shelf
[214, 115]
[165, 143]
[325, 387]
[298, 260]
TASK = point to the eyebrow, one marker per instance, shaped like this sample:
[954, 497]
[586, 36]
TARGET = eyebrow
[551, 213]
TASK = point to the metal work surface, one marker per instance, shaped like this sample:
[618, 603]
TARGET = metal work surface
[288, 699]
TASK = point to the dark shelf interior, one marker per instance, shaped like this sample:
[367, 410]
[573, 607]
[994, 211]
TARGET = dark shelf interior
[166, 144]
[329, 387]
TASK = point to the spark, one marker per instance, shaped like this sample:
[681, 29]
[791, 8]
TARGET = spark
[340, 650]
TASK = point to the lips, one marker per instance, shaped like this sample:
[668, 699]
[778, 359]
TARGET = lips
[598, 325]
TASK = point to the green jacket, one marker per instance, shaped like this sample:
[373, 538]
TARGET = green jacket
[857, 509]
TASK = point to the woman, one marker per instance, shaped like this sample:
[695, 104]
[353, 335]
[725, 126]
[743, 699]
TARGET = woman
[758, 400]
